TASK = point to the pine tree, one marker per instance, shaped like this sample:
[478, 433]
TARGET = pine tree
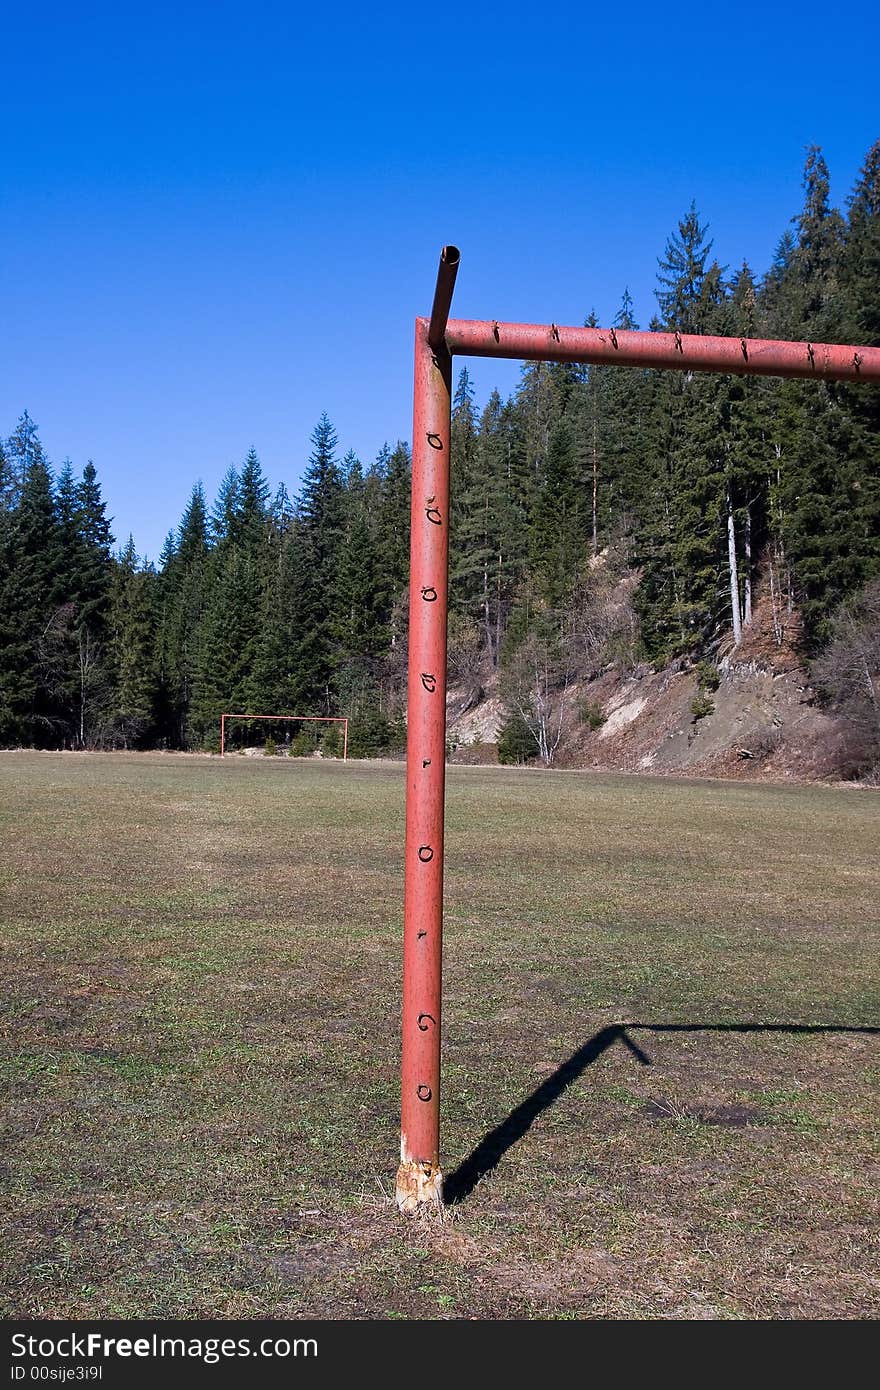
[317, 573]
[181, 605]
[29, 597]
[7, 487]
[282, 511]
[364, 598]
[857, 310]
[682, 272]
[74, 644]
[69, 536]
[224, 513]
[23, 448]
[394, 471]
[132, 644]
[489, 554]
[95, 540]
[252, 498]
[309, 646]
[816, 256]
[826, 507]
[463, 436]
[560, 524]
[320, 499]
[859, 268]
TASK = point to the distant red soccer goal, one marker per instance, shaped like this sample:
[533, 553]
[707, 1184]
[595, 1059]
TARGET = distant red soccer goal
[289, 719]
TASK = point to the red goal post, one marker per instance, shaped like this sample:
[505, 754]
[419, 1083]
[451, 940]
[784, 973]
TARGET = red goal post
[289, 719]
[438, 340]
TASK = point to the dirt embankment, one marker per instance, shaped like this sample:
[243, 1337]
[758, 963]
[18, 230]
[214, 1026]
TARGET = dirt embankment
[763, 720]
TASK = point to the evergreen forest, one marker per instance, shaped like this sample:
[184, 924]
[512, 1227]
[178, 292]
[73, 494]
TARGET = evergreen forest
[702, 496]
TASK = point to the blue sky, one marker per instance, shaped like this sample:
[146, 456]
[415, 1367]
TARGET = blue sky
[219, 221]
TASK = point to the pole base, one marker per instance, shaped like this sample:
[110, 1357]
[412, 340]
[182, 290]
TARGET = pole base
[419, 1188]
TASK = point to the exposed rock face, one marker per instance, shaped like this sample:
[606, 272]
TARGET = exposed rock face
[764, 721]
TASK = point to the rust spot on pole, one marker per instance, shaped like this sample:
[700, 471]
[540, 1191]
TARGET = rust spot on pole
[419, 1188]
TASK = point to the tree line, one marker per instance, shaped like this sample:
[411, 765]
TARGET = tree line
[599, 515]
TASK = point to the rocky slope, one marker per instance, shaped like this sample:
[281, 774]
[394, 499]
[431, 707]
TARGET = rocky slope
[764, 720]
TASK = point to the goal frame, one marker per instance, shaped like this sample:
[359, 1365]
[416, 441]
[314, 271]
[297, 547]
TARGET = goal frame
[437, 340]
[288, 719]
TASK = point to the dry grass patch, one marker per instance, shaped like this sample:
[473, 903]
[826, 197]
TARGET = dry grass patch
[661, 1049]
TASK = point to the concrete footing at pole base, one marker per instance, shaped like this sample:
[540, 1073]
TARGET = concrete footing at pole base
[419, 1187]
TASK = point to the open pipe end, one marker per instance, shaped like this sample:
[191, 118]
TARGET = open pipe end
[449, 259]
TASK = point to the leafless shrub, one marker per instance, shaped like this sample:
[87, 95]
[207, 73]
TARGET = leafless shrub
[72, 670]
[847, 675]
[465, 653]
[536, 686]
[765, 742]
[600, 619]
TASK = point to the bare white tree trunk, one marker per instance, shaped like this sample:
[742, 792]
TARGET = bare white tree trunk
[532, 696]
[595, 489]
[734, 576]
[675, 590]
[496, 655]
[747, 578]
[860, 652]
[774, 607]
[89, 653]
[780, 547]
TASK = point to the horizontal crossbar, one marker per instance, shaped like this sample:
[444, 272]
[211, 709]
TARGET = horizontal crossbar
[686, 352]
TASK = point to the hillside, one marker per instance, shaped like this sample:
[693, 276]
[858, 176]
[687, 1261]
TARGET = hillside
[610, 530]
[766, 721]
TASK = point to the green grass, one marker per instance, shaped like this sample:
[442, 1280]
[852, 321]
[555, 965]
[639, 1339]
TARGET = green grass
[200, 1018]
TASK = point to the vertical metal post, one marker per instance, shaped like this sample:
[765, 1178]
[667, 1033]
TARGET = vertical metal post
[345, 740]
[222, 734]
[419, 1179]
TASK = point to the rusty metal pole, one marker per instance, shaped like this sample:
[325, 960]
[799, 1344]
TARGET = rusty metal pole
[682, 352]
[419, 1178]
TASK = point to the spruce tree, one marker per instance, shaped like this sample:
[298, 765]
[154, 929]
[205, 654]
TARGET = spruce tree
[181, 604]
[29, 597]
[364, 598]
[23, 448]
[317, 573]
[252, 498]
[395, 480]
[224, 513]
[682, 272]
[489, 554]
[816, 257]
[131, 650]
[95, 540]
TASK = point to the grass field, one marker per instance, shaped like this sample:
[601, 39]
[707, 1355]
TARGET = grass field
[661, 1044]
